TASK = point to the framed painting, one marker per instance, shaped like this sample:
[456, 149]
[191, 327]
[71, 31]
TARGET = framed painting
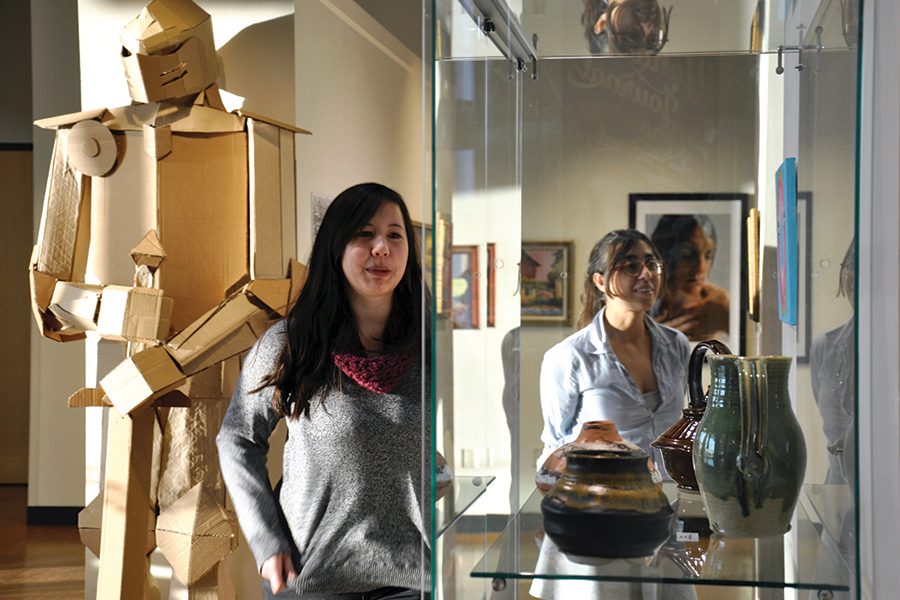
[702, 240]
[443, 238]
[787, 246]
[804, 280]
[491, 284]
[465, 275]
[546, 288]
[425, 242]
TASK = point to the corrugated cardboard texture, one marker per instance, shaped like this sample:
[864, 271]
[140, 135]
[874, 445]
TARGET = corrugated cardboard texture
[136, 314]
[76, 304]
[134, 381]
[89, 521]
[266, 260]
[126, 503]
[88, 397]
[61, 215]
[288, 195]
[149, 251]
[123, 209]
[90, 148]
[223, 332]
[167, 37]
[195, 534]
[202, 221]
[189, 454]
[274, 293]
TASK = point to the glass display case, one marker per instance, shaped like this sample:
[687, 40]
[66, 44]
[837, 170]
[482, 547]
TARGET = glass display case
[552, 128]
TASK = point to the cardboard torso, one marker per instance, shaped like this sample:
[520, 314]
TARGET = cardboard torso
[195, 197]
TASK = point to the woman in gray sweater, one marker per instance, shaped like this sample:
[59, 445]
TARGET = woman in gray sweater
[351, 518]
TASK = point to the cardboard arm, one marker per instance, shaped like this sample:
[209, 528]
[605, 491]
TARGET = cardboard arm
[64, 310]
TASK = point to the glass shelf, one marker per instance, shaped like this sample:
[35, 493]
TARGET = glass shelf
[464, 491]
[523, 552]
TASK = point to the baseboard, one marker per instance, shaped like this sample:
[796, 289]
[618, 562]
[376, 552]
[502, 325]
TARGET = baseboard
[53, 515]
[15, 147]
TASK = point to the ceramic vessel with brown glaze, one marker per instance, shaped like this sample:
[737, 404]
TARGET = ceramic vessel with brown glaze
[594, 435]
[676, 444]
[606, 505]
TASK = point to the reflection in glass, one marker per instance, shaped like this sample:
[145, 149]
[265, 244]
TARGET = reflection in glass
[831, 370]
[690, 302]
[625, 26]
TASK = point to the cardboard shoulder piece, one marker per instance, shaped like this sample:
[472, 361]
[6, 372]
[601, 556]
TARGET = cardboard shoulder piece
[195, 534]
[271, 158]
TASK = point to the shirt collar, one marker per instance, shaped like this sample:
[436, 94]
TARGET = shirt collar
[600, 339]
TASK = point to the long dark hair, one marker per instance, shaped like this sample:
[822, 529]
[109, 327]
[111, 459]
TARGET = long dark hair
[606, 255]
[669, 235]
[321, 322]
[673, 230]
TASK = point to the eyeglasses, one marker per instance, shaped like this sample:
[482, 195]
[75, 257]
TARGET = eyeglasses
[633, 268]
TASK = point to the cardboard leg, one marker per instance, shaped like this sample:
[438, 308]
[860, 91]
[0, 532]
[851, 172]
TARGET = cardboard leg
[126, 506]
[215, 585]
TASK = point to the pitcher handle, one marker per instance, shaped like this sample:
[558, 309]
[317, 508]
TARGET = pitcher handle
[695, 370]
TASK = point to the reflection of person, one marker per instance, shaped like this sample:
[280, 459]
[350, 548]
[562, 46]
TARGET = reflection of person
[831, 361]
[621, 366]
[625, 26]
[689, 302]
[344, 369]
[510, 351]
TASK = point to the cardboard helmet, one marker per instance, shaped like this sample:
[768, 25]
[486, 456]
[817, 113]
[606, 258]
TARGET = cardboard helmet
[168, 51]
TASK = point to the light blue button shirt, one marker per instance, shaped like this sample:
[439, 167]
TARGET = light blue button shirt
[582, 380]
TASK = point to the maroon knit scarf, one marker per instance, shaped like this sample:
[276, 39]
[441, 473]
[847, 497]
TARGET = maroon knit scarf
[379, 374]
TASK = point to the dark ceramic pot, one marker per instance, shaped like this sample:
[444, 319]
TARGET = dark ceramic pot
[676, 444]
[594, 435]
[606, 505]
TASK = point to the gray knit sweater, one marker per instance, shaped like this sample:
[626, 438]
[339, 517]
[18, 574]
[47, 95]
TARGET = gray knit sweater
[351, 494]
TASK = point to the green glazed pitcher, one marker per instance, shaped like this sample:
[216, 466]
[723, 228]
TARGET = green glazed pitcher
[749, 454]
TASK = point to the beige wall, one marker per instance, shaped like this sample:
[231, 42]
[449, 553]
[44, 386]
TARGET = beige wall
[363, 104]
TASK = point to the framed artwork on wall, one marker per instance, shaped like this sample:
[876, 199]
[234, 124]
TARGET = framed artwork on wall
[491, 284]
[702, 240]
[465, 276]
[804, 280]
[546, 288]
[786, 229]
[443, 238]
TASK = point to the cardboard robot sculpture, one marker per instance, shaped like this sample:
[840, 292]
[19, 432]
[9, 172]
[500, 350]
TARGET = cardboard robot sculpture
[169, 225]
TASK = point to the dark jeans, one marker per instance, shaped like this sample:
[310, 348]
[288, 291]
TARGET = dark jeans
[385, 593]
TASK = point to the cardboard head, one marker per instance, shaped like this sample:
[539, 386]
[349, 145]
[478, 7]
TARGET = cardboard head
[168, 51]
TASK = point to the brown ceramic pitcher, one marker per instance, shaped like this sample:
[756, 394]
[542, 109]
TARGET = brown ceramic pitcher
[677, 442]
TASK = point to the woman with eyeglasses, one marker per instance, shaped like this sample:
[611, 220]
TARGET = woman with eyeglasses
[621, 365]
